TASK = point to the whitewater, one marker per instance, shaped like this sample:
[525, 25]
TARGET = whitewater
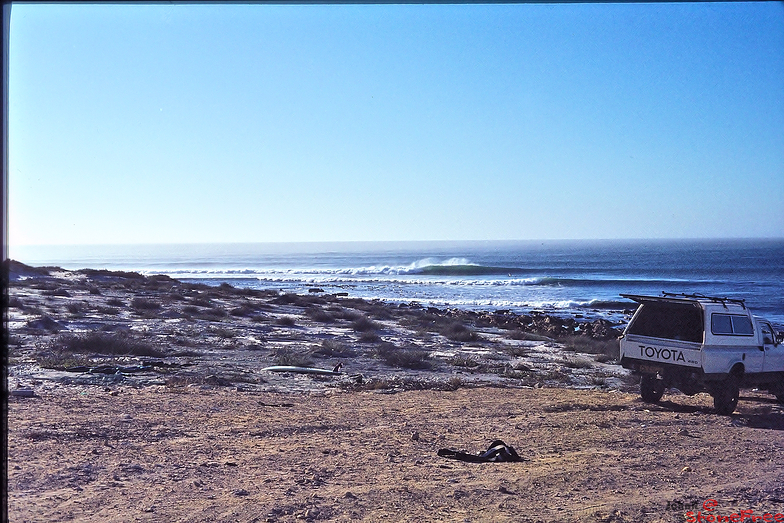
[569, 277]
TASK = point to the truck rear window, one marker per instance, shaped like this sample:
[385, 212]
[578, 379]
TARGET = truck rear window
[731, 324]
[672, 321]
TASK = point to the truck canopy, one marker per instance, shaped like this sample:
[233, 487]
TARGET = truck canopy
[669, 318]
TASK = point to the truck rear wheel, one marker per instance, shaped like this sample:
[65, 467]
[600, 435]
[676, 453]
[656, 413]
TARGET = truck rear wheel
[651, 388]
[778, 389]
[725, 396]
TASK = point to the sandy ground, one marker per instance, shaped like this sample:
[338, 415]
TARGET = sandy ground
[158, 454]
[167, 415]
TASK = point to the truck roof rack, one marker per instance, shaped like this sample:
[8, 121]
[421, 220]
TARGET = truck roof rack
[696, 296]
[685, 298]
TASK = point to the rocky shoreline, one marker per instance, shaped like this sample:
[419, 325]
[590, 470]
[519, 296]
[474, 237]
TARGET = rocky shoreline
[99, 327]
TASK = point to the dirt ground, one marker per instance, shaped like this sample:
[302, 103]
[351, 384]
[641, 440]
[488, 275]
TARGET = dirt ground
[162, 454]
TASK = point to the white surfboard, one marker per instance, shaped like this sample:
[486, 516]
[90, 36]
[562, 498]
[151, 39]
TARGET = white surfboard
[305, 370]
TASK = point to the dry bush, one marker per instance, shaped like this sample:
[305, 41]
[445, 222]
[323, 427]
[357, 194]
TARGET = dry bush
[190, 310]
[187, 379]
[343, 313]
[588, 345]
[334, 349]
[223, 333]
[290, 299]
[415, 359]
[286, 321]
[516, 351]
[104, 343]
[145, 304]
[518, 334]
[76, 307]
[56, 292]
[61, 361]
[364, 324]
[212, 314]
[200, 301]
[320, 315]
[576, 363]
[457, 331]
[464, 361]
[246, 309]
[291, 358]
[369, 337]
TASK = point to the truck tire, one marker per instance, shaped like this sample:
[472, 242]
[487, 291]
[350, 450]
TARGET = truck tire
[725, 396]
[778, 390]
[651, 388]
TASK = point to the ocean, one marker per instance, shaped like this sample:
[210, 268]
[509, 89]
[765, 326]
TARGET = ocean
[560, 277]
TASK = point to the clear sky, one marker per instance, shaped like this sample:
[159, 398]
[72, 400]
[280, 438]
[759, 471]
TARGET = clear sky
[253, 123]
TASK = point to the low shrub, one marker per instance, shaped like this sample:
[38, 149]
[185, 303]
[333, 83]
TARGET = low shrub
[246, 309]
[286, 321]
[343, 313]
[588, 345]
[516, 351]
[212, 314]
[105, 343]
[289, 357]
[415, 359]
[369, 337]
[289, 299]
[56, 292]
[334, 349]
[61, 361]
[577, 363]
[115, 302]
[518, 334]
[190, 310]
[145, 304]
[320, 315]
[456, 331]
[201, 302]
[464, 361]
[364, 324]
[223, 333]
[76, 307]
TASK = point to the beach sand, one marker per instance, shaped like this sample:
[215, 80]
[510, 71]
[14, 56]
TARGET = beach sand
[143, 399]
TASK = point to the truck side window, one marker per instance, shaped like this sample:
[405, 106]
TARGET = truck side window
[742, 325]
[731, 324]
[721, 324]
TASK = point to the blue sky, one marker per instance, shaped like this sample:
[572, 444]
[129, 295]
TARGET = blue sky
[253, 123]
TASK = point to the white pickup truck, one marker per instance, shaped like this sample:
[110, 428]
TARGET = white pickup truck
[698, 343]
